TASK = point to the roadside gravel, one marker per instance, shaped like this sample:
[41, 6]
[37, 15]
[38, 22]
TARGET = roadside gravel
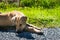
[49, 34]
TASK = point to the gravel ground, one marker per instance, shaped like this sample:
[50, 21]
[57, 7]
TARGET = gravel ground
[49, 34]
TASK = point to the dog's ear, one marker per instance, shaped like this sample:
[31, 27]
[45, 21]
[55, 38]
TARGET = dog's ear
[24, 18]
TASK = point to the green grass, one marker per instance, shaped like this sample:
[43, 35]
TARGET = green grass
[40, 17]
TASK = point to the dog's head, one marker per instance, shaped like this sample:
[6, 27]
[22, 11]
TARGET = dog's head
[19, 21]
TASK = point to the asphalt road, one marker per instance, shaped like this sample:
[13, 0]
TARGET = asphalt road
[49, 34]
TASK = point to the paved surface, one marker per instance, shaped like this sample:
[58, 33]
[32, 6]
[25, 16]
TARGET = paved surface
[49, 34]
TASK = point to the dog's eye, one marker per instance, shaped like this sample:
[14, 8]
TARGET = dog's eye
[20, 25]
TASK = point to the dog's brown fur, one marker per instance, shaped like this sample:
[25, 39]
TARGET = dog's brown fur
[18, 19]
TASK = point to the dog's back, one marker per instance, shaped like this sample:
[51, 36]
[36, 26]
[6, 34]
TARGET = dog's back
[4, 20]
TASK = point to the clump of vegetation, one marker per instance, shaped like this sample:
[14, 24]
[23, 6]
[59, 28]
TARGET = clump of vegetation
[2, 5]
[32, 3]
[37, 3]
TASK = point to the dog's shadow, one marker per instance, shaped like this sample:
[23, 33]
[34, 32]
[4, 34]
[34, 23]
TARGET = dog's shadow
[23, 34]
[27, 35]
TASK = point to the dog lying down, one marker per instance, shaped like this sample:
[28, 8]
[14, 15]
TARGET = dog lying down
[18, 19]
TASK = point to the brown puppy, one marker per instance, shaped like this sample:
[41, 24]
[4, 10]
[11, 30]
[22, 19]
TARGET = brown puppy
[18, 19]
